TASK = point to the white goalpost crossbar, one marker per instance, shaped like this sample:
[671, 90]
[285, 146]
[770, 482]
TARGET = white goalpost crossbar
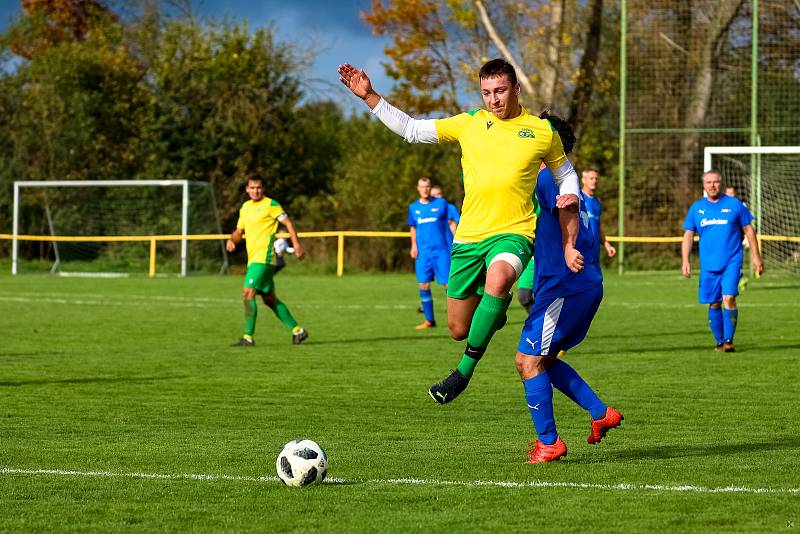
[709, 151]
[184, 184]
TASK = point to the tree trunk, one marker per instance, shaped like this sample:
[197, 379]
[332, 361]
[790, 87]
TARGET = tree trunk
[579, 107]
[705, 49]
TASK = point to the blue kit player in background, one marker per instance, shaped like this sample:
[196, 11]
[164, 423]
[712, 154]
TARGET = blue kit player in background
[429, 223]
[595, 210]
[719, 221]
[564, 305]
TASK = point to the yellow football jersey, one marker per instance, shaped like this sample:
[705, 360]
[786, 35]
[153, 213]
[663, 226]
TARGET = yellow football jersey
[259, 220]
[500, 160]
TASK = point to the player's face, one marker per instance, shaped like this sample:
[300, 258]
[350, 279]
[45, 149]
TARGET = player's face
[500, 96]
[730, 191]
[424, 189]
[436, 192]
[255, 189]
[589, 181]
[712, 185]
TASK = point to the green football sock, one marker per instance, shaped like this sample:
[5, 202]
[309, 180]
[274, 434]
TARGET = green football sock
[250, 314]
[284, 315]
[489, 317]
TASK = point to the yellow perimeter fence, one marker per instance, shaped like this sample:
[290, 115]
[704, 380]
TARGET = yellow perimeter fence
[340, 235]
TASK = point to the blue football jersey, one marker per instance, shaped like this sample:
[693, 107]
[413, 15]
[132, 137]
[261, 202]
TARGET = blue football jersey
[553, 277]
[719, 227]
[594, 209]
[430, 220]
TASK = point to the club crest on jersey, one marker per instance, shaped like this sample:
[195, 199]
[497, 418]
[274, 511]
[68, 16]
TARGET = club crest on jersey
[489, 124]
[725, 210]
[526, 133]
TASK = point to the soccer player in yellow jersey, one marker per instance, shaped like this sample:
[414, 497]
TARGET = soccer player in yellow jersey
[258, 223]
[502, 148]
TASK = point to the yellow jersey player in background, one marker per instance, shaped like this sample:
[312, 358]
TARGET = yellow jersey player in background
[258, 223]
[502, 148]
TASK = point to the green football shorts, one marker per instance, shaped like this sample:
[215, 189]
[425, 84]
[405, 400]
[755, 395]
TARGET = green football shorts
[470, 261]
[525, 280]
[259, 277]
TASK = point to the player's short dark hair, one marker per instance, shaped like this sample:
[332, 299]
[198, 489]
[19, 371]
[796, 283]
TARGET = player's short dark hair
[256, 178]
[591, 169]
[564, 129]
[498, 67]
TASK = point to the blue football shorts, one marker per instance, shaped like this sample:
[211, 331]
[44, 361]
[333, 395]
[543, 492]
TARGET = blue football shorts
[714, 284]
[557, 324]
[430, 264]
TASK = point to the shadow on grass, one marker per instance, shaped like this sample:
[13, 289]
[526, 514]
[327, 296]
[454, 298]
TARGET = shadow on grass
[592, 335]
[710, 449]
[419, 337]
[87, 380]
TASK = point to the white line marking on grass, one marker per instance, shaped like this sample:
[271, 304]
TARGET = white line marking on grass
[180, 302]
[537, 484]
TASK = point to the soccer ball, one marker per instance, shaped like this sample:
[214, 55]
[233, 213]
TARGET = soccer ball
[301, 463]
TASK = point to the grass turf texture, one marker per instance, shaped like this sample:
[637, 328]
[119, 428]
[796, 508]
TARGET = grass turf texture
[135, 376]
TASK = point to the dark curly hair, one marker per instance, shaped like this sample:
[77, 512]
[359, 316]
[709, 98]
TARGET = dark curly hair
[563, 128]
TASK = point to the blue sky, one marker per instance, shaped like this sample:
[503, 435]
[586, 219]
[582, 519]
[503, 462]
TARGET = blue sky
[331, 26]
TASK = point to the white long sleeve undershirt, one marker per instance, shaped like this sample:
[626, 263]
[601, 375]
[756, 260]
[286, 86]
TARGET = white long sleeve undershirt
[411, 129]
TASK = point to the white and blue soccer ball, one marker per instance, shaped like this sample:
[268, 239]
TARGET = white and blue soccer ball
[302, 462]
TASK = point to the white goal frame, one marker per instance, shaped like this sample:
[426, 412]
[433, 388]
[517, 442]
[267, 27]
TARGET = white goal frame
[755, 178]
[184, 184]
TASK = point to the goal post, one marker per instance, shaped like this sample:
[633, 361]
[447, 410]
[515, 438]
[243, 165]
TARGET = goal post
[767, 179]
[112, 208]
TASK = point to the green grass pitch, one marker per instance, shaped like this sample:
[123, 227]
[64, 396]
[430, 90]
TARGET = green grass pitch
[122, 407]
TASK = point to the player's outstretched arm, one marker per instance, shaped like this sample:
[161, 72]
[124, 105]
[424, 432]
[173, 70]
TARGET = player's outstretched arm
[234, 239]
[755, 250]
[411, 129]
[298, 250]
[686, 249]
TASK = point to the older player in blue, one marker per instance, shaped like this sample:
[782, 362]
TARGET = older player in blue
[595, 211]
[563, 308]
[430, 248]
[719, 221]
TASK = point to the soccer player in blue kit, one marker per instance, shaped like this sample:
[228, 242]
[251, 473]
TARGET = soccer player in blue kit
[595, 210]
[429, 221]
[719, 221]
[564, 305]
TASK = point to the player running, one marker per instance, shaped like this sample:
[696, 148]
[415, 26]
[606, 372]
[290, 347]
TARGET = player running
[258, 223]
[428, 220]
[502, 148]
[720, 221]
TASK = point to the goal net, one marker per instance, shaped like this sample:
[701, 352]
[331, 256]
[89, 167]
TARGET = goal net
[767, 179]
[110, 222]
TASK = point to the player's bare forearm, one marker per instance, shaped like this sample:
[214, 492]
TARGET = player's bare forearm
[234, 239]
[755, 250]
[298, 249]
[568, 219]
[453, 226]
[413, 250]
[686, 249]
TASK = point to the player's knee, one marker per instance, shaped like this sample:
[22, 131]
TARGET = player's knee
[527, 366]
[715, 305]
[729, 301]
[458, 331]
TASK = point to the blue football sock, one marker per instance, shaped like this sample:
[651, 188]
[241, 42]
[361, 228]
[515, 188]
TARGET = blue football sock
[715, 321]
[539, 394]
[427, 303]
[569, 382]
[729, 323]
